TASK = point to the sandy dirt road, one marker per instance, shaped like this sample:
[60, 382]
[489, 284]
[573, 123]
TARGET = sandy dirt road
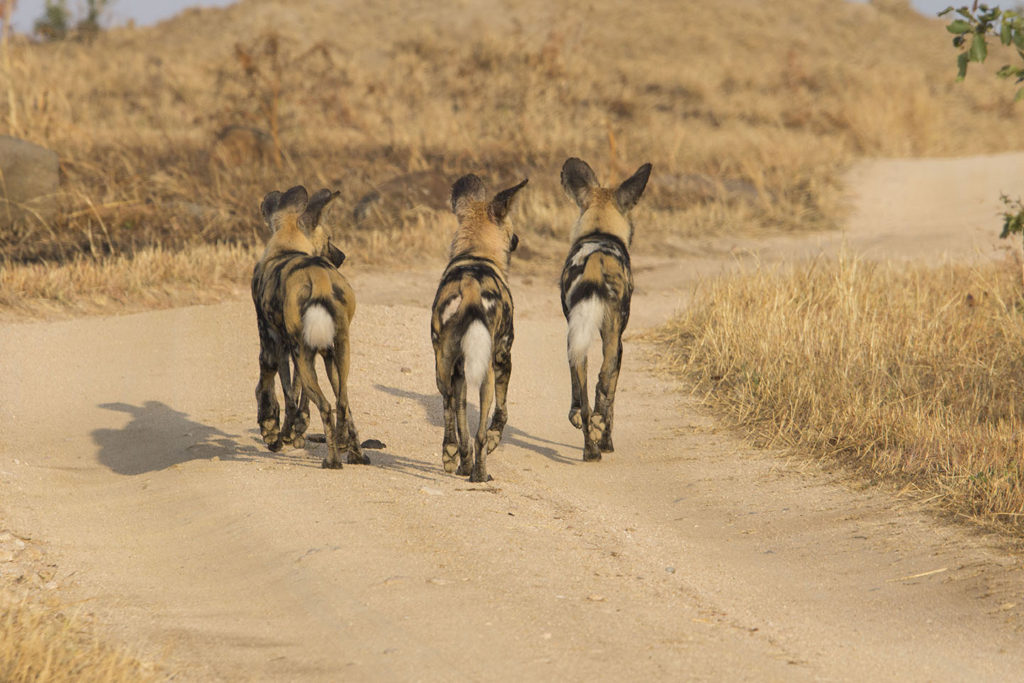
[129, 454]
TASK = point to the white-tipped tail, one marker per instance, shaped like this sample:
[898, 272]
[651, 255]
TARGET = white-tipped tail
[585, 320]
[318, 327]
[476, 354]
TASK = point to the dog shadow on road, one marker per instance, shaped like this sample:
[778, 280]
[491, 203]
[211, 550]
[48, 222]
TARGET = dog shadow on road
[158, 437]
[431, 405]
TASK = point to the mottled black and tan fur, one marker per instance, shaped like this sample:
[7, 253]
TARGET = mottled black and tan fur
[596, 288]
[303, 310]
[471, 324]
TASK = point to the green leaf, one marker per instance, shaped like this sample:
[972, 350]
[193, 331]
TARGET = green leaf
[965, 13]
[979, 49]
[945, 11]
[961, 65]
[1020, 95]
[1005, 34]
[958, 26]
[1018, 39]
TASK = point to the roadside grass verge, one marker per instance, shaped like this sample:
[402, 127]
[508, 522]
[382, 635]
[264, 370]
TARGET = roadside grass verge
[908, 373]
[153, 277]
[40, 643]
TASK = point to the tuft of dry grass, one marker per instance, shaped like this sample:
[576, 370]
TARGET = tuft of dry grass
[39, 644]
[909, 372]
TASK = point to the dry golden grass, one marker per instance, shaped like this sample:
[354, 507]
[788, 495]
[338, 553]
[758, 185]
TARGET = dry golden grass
[912, 373]
[777, 96]
[40, 644]
[151, 278]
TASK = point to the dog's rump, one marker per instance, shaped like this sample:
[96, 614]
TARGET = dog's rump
[286, 286]
[495, 297]
[273, 277]
[597, 265]
[471, 290]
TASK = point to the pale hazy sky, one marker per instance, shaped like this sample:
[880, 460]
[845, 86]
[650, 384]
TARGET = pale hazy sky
[142, 11]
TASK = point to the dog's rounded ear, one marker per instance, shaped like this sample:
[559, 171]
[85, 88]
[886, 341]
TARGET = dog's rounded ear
[578, 179]
[629, 192]
[513, 243]
[268, 207]
[468, 188]
[335, 255]
[502, 202]
[294, 200]
[311, 216]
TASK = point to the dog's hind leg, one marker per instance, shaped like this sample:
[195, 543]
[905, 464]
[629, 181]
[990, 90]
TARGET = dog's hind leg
[306, 374]
[337, 372]
[578, 370]
[462, 424]
[607, 381]
[502, 364]
[268, 410]
[295, 404]
[486, 399]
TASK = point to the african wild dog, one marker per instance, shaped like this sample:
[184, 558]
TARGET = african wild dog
[597, 285]
[303, 309]
[471, 324]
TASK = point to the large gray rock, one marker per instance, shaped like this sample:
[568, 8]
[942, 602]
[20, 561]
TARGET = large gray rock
[29, 180]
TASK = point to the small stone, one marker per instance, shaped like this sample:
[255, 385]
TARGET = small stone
[431, 491]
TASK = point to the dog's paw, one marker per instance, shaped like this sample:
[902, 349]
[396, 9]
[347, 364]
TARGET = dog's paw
[480, 477]
[449, 455]
[575, 419]
[597, 424]
[328, 464]
[493, 439]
